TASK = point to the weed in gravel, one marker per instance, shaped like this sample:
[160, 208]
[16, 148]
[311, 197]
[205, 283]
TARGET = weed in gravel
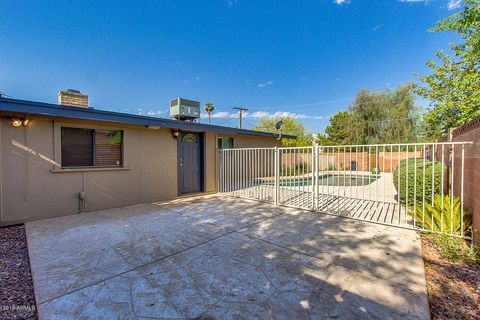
[455, 249]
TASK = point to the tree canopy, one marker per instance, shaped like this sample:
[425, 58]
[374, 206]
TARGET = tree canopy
[291, 126]
[339, 129]
[453, 87]
[375, 117]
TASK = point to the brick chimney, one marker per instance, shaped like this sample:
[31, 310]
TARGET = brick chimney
[72, 98]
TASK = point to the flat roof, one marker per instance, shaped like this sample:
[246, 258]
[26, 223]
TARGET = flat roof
[26, 108]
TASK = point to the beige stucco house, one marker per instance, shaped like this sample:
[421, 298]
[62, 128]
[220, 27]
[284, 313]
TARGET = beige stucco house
[64, 159]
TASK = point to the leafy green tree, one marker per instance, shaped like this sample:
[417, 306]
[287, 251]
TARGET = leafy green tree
[209, 108]
[291, 126]
[375, 117]
[339, 129]
[402, 122]
[368, 114]
[322, 140]
[454, 85]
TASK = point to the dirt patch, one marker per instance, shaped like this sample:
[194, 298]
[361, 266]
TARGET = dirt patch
[16, 290]
[453, 287]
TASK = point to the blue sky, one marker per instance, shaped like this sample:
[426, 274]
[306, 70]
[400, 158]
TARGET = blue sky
[307, 58]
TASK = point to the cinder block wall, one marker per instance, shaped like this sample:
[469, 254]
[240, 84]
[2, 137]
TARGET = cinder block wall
[471, 185]
[333, 159]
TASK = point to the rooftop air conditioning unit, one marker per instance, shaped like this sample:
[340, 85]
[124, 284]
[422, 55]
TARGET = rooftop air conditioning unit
[183, 109]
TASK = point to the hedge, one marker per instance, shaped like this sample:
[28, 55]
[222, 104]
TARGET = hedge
[402, 166]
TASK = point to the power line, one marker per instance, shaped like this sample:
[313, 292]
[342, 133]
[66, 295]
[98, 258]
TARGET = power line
[241, 110]
[309, 104]
[249, 123]
[222, 123]
[313, 104]
[376, 121]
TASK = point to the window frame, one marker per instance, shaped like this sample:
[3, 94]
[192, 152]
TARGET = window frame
[219, 143]
[93, 129]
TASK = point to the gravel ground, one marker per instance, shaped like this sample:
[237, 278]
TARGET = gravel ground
[453, 288]
[16, 287]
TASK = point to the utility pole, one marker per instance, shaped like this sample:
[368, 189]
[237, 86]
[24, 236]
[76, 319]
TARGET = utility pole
[241, 109]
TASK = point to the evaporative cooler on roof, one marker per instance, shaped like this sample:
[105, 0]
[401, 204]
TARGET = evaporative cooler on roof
[183, 109]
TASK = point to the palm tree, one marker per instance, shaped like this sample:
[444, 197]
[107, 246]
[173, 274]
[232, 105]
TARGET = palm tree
[209, 108]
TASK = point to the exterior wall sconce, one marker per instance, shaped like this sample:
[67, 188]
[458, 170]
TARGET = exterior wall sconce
[20, 122]
[175, 133]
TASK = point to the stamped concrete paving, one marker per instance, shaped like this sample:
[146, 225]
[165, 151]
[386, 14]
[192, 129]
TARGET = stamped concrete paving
[215, 257]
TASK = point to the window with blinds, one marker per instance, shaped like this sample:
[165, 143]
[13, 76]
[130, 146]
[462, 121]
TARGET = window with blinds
[91, 148]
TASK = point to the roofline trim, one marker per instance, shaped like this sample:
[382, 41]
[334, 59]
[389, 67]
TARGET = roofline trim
[80, 113]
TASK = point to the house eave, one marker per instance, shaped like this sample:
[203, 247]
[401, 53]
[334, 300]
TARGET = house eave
[34, 108]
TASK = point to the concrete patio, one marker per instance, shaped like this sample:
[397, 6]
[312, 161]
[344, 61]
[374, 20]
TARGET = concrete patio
[218, 257]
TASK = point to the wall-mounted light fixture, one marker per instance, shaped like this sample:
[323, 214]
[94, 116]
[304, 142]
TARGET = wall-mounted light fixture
[20, 122]
[17, 122]
[175, 133]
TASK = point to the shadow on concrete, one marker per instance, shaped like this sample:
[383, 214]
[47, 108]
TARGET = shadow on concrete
[216, 257]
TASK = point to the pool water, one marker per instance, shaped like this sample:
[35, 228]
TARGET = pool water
[332, 180]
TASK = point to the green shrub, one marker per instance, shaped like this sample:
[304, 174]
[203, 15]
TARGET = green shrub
[443, 218]
[454, 249]
[299, 169]
[303, 167]
[288, 172]
[402, 168]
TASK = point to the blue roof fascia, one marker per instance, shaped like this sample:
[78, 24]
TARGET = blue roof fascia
[53, 110]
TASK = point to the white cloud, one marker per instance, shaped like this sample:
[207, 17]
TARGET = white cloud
[154, 113]
[340, 2]
[220, 115]
[289, 114]
[151, 113]
[377, 27]
[231, 2]
[454, 4]
[261, 114]
[224, 114]
[265, 84]
[264, 114]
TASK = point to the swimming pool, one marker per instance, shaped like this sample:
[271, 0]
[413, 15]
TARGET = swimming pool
[339, 180]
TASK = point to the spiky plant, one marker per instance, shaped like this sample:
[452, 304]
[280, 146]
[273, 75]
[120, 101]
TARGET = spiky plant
[446, 217]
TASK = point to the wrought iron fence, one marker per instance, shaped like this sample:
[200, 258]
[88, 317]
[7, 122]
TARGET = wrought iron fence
[416, 185]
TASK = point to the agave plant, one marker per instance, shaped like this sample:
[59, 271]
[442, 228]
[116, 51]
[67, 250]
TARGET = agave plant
[444, 217]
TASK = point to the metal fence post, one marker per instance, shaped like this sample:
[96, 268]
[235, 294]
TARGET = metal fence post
[317, 176]
[277, 174]
[313, 167]
[246, 171]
